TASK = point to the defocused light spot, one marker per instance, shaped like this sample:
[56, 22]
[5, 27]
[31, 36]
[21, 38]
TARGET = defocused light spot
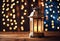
[22, 28]
[46, 29]
[3, 30]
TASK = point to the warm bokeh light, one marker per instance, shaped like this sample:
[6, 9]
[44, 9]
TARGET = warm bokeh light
[32, 5]
[3, 19]
[7, 25]
[11, 20]
[8, 19]
[6, 16]
[22, 7]
[25, 3]
[10, 14]
[14, 20]
[12, 0]
[12, 24]
[15, 23]
[46, 25]
[22, 17]
[2, 12]
[17, 1]
[21, 23]
[4, 23]
[22, 0]
[13, 10]
[7, 0]
[23, 20]
[13, 16]
[10, 28]
[22, 28]
[15, 28]
[46, 29]
[25, 13]
[3, 30]
[58, 27]
[53, 26]
[7, 9]
[33, 0]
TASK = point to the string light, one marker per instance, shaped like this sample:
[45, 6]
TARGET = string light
[15, 28]
[33, 0]
[42, 3]
[46, 25]
[44, 22]
[3, 30]
[53, 26]
[17, 1]
[25, 13]
[58, 7]
[58, 27]
[13, 16]
[31, 5]
[57, 0]
[13, 10]
[7, 19]
[10, 20]
[23, 20]
[4, 15]
[11, 23]
[21, 23]
[13, 4]
[12, 0]
[2, 12]
[7, 0]
[47, 12]
[22, 7]
[10, 28]
[46, 6]
[46, 0]
[3, 0]
[50, 9]
[4, 23]
[25, 10]
[51, 15]
[10, 14]
[59, 4]
[46, 29]
[53, 11]
[46, 17]
[3, 19]
[58, 11]
[7, 25]
[7, 9]
[3, 8]
[25, 3]
[22, 17]
[52, 21]
[50, 0]
[22, 0]
[14, 20]
[15, 23]
[22, 28]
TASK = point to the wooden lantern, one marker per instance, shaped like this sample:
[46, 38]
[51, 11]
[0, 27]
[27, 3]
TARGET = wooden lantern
[36, 24]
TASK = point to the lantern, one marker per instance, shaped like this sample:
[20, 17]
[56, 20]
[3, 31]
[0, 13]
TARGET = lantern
[36, 23]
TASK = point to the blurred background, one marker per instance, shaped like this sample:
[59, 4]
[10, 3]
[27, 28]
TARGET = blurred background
[13, 14]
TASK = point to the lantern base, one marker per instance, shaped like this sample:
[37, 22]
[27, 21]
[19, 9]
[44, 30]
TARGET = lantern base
[37, 35]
